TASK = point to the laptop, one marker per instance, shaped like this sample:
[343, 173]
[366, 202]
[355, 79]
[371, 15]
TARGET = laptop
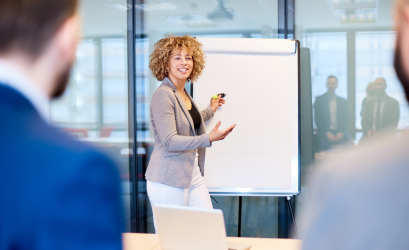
[187, 228]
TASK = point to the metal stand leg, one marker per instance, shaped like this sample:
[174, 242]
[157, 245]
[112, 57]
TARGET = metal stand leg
[239, 226]
[292, 216]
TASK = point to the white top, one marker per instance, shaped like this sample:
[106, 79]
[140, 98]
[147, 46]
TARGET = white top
[15, 78]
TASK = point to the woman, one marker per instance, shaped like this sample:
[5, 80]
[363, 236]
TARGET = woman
[176, 168]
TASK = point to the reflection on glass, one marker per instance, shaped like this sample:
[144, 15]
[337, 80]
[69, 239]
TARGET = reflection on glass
[79, 102]
[356, 46]
[94, 108]
[115, 84]
[328, 53]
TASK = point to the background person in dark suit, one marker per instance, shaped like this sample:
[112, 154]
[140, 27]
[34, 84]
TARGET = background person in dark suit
[331, 116]
[380, 113]
[370, 93]
[55, 193]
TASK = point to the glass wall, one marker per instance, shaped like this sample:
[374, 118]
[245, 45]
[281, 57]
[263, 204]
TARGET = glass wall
[239, 19]
[349, 45]
[94, 108]
[351, 48]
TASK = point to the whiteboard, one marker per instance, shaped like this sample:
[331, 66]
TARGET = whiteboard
[261, 79]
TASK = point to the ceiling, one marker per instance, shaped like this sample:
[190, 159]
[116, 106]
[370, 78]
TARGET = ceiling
[109, 17]
[320, 15]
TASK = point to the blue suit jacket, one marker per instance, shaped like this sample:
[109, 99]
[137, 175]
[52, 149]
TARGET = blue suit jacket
[55, 192]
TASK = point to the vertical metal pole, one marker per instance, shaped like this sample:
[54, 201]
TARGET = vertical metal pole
[290, 9]
[286, 9]
[292, 216]
[100, 92]
[284, 220]
[351, 81]
[285, 19]
[138, 35]
[282, 28]
[240, 211]
[132, 117]
[285, 30]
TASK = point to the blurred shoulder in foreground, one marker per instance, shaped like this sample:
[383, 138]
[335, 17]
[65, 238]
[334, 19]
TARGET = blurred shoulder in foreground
[359, 200]
[55, 193]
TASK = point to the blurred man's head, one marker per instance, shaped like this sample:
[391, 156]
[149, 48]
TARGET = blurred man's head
[379, 86]
[332, 84]
[40, 34]
[402, 50]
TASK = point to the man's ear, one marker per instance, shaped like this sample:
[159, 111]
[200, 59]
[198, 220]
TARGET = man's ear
[67, 37]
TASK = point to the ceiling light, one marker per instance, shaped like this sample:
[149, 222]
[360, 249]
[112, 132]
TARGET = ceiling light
[221, 12]
[354, 11]
[356, 4]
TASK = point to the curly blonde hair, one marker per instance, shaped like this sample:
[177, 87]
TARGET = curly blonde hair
[164, 48]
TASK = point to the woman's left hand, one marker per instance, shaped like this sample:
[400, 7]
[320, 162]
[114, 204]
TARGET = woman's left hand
[215, 103]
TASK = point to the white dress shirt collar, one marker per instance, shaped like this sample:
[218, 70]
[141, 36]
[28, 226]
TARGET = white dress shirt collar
[13, 77]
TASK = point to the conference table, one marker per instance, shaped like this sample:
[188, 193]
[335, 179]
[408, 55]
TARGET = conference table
[133, 241]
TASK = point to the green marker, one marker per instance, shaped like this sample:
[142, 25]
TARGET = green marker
[222, 94]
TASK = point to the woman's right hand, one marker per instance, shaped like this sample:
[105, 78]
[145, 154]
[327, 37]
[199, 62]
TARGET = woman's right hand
[217, 135]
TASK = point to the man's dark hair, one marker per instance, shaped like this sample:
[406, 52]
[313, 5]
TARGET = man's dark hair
[332, 76]
[29, 25]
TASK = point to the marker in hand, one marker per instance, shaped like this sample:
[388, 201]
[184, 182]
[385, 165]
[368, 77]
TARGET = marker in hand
[222, 94]
[216, 102]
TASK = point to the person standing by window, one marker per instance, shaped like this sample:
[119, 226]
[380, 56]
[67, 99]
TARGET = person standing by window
[380, 114]
[331, 117]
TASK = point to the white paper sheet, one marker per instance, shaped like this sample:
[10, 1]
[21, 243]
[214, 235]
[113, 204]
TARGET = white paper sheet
[262, 99]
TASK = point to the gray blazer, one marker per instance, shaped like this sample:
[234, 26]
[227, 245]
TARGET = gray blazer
[176, 142]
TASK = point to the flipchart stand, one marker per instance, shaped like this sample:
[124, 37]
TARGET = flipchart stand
[288, 198]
